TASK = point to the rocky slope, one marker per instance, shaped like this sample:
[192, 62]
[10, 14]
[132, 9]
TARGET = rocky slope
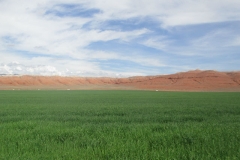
[185, 81]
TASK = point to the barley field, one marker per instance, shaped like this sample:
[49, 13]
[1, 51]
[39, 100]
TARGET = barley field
[119, 125]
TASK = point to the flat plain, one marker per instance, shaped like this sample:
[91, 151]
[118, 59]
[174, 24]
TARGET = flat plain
[119, 125]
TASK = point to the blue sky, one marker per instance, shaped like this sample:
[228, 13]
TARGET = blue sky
[110, 38]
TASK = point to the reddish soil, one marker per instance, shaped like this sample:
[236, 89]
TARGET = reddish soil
[185, 81]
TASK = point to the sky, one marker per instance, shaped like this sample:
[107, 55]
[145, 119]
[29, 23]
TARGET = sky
[118, 38]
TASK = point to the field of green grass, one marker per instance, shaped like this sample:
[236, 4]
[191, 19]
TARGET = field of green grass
[119, 125]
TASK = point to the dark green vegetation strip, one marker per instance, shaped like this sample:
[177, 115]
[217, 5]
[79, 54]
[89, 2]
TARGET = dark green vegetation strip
[119, 125]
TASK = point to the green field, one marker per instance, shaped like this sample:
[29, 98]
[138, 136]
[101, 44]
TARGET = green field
[119, 125]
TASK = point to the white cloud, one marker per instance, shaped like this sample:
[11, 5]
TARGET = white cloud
[39, 33]
[219, 37]
[160, 43]
[172, 12]
[56, 43]
[14, 68]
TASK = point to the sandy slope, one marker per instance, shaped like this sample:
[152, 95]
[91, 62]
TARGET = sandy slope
[185, 81]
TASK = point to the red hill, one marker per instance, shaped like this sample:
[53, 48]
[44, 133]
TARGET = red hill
[184, 81]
